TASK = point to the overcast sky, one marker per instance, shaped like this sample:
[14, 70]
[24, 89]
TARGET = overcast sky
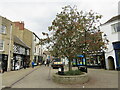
[39, 14]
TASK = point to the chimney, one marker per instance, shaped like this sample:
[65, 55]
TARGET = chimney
[20, 25]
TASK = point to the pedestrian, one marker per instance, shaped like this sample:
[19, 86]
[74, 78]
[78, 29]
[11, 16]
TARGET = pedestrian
[24, 65]
[1, 69]
[32, 64]
[45, 62]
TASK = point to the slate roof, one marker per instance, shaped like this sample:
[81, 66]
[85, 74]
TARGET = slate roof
[113, 19]
[20, 42]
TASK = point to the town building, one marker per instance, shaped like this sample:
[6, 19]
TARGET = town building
[6, 42]
[18, 45]
[111, 31]
[37, 49]
[21, 49]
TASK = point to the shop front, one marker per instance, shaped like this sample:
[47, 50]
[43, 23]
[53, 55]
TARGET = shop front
[4, 61]
[92, 61]
[96, 60]
[21, 54]
[21, 57]
[116, 46]
[79, 61]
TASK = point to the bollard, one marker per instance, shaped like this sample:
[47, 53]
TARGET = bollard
[61, 71]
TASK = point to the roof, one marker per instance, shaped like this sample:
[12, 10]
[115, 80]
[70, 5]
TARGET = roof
[113, 19]
[20, 42]
[5, 18]
[36, 35]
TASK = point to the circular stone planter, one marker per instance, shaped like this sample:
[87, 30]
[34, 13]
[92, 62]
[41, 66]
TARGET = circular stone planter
[73, 79]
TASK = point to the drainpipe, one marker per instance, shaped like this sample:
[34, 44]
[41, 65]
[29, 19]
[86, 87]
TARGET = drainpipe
[9, 53]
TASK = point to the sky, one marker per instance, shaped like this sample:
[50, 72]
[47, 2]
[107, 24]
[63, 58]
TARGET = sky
[39, 14]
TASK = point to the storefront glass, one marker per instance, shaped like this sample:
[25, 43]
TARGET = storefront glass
[118, 53]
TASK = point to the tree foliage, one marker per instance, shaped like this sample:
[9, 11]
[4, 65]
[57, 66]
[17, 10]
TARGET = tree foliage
[73, 32]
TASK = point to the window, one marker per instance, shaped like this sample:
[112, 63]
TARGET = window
[3, 29]
[35, 49]
[39, 50]
[34, 38]
[118, 57]
[116, 27]
[1, 45]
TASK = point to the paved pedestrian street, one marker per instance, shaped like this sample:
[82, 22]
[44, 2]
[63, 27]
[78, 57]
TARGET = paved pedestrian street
[41, 78]
[9, 78]
[0, 81]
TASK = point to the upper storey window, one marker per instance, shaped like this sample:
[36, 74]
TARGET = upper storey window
[116, 27]
[1, 45]
[2, 29]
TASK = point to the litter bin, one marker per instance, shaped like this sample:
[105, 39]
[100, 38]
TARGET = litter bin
[82, 68]
[61, 71]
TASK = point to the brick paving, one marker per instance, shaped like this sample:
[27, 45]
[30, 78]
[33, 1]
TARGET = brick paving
[98, 78]
[0, 81]
[38, 77]
[11, 77]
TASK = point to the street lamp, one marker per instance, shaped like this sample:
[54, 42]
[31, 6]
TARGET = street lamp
[105, 36]
[85, 52]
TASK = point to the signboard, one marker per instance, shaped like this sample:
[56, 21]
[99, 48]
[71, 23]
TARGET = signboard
[79, 61]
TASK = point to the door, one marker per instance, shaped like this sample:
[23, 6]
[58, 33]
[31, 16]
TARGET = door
[111, 63]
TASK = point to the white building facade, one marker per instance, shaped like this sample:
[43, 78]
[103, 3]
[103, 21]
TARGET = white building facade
[37, 49]
[111, 31]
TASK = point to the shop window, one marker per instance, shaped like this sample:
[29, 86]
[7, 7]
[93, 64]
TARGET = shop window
[34, 38]
[119, 58]
[95, 60]
[3, 29]
[1, 45]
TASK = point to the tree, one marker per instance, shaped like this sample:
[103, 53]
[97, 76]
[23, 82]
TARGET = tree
[73, 33]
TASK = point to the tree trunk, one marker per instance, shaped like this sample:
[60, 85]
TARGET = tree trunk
[70, 65]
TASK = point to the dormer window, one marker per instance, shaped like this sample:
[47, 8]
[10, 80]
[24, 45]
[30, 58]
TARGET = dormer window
[116, 27]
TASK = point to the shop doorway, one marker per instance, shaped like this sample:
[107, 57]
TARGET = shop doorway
[111, 63]
[5, 62]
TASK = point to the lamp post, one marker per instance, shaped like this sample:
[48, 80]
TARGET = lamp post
[85, 52]
[105, 36]
[103, 50]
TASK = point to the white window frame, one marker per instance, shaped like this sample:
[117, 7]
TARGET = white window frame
[114, 27]
[3, 29]
[3, 45]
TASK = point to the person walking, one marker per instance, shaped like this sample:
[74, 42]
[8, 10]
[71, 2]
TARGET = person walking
[32, 64]
[24, 65]
[45, 62]
[1, 68]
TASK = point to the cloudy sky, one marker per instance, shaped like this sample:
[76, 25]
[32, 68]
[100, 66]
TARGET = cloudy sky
[38, 14]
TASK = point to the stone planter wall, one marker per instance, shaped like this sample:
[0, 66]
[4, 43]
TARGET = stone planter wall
[70, 79]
